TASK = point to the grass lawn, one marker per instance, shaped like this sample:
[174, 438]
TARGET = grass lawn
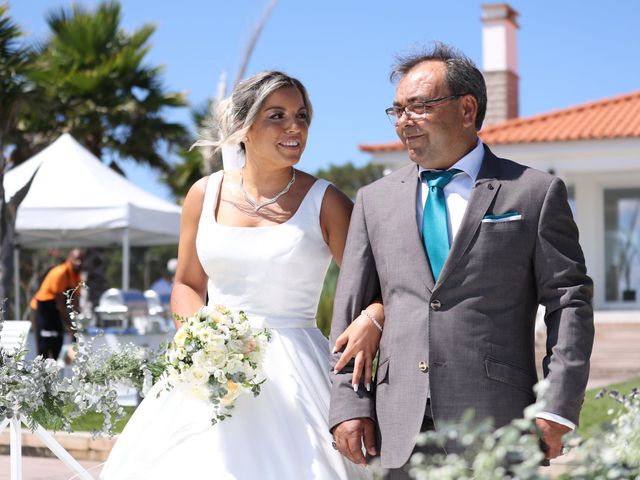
[595, 412]
[92, 422]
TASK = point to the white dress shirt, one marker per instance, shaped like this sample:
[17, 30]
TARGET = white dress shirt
[457, 193]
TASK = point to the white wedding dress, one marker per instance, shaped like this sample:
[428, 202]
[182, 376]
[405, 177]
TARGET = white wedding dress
[275, 274]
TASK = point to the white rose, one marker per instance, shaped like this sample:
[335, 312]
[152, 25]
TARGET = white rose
[197, 374]
[213, 361]
[180, 336]
[234, 365]
[224, 330]
[215, 344]
[199, 358]
[207, 311]
[236, 346]
[206, 335]
[249, 371]
[243, 328]
[198, 329]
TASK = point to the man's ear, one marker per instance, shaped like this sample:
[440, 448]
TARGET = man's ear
[469, 106]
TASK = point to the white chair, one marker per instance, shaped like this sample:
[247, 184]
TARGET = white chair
[12, 337]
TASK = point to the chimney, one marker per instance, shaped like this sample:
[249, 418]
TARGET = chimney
[500, 61]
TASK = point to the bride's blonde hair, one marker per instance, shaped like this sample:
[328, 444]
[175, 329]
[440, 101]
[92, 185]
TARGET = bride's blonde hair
[235, 114]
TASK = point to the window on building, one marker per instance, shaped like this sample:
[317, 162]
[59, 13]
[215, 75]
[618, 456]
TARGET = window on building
[622, 244]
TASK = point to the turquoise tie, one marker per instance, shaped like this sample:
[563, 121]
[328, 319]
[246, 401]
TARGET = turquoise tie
[435, 226]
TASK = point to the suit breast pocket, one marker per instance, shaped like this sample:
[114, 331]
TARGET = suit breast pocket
[501, 227]
[509, 241]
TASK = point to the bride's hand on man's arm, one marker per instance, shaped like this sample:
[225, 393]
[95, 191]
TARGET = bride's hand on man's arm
[359, 342]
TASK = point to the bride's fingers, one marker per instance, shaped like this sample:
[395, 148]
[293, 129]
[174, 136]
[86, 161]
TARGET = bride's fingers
[341, 341]
[345, 358]
[358, 367]
[368, 372]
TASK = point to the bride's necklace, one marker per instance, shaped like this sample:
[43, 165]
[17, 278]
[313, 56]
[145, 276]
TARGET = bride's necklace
[256, 205]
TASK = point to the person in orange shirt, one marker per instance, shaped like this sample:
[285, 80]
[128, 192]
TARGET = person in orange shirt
[49, 304]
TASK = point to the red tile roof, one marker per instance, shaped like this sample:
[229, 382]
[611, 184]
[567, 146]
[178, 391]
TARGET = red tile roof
[615, 117]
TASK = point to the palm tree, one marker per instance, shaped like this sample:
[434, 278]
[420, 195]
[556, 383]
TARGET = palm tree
[14, 96]
[14, 59]
[99, 88]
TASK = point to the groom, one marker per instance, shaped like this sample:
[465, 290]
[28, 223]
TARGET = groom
[461, 246]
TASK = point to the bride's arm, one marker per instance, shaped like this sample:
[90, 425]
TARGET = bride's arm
[362, 337]
[190, 282]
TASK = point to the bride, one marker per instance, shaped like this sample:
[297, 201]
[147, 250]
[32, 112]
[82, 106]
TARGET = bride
[258, 239]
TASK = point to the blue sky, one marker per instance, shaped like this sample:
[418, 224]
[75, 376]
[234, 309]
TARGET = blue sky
[569, 53]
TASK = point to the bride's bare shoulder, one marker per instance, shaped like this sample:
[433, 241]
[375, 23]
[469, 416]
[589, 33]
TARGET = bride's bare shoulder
[192, 205]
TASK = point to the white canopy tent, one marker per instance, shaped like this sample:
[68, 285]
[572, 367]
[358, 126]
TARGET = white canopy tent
[77, 201]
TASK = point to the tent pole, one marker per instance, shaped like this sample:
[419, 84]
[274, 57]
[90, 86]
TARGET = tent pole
[16, 282]
[125, 259]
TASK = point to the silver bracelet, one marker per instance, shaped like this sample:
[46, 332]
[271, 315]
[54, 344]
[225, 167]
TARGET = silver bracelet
[372, 318]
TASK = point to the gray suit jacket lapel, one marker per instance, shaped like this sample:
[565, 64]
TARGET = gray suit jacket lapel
[406, 198]
[482, 194]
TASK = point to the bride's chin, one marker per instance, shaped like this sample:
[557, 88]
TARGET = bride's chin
[292, 154]
[291, 161]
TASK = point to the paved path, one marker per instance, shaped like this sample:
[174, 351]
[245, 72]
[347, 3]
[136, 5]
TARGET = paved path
[38, 468]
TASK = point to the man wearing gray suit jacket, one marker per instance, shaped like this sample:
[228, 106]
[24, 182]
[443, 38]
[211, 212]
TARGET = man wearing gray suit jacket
[462, 247]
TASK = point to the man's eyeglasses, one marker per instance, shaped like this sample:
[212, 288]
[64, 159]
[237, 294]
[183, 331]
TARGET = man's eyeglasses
[416, 110]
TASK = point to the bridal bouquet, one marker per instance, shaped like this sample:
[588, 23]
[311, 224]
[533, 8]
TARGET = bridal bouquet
[216, 355]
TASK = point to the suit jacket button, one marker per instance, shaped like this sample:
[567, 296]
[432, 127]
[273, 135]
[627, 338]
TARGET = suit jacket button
[423, 367]
[435, 305]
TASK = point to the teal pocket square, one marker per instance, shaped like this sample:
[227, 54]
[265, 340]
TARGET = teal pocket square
[503, 217]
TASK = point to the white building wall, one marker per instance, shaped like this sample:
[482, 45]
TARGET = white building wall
[590, 167]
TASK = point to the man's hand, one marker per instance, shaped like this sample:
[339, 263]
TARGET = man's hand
[552, 434]
[349, 436]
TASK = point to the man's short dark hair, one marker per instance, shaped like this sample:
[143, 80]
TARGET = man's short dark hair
[463, 77]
